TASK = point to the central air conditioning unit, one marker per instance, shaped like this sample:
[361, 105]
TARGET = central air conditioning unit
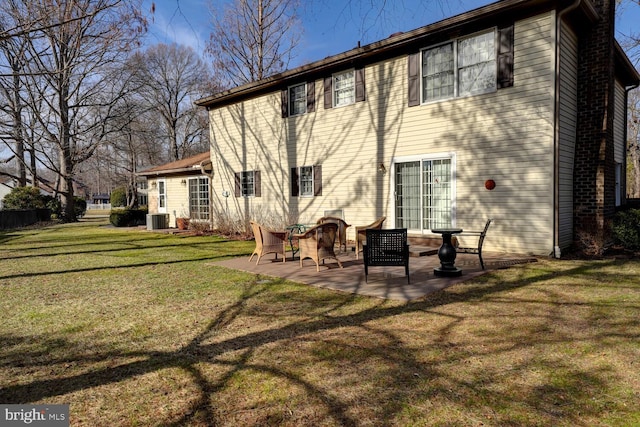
[157, 221]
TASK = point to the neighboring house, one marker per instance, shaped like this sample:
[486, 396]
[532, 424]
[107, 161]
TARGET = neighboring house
[515, 111]
[181, 188]
[7, 184]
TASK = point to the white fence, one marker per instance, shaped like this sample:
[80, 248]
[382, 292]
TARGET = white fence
[99, 206]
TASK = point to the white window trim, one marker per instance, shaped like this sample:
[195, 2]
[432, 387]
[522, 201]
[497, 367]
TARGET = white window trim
[313, 183]
[456, 68]
[208, 190]
[420, 157]
[333, 87]
[290, 104]
[164, 184]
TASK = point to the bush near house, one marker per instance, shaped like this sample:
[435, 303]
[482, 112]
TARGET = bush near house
[626, 229]
[24, 198]
[118, 197]
[128, 217]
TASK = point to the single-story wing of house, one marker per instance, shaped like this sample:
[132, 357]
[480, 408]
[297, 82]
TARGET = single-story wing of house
[180, 189]
[514, 111]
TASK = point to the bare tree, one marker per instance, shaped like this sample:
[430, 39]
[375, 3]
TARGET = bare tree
[171, 78]
[253, 39]
[73, 60]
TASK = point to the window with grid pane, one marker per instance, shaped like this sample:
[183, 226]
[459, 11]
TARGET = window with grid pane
[462, 67]
[438, 72]
[436, 193]
[199, 198]
[298, 99]
[306, 181]
[477, 64]
[247, 183]
[423, 194]
[344, 89]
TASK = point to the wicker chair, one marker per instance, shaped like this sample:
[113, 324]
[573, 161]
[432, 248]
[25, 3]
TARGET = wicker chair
[361, 232]
[386, 248]
[318, 243]
[342, 229]
[474, 249]
[268, 241]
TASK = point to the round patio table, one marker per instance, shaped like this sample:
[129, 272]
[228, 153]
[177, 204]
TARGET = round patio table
[447, 253]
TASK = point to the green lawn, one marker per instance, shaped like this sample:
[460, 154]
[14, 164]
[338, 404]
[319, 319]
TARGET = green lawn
[138, 328]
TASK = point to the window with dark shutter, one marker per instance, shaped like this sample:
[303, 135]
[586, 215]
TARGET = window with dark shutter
[414, 79]
[505, 57]
[311, 97]
[360, 87]
[328, 92]
[317, 180]
[238, 184]
[284, 95]
[256, 184]
[295, 182]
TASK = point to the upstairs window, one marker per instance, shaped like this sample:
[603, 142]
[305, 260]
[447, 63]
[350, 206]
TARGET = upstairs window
[477, 64]
[344, 88]
[460, 68]
[298, 99]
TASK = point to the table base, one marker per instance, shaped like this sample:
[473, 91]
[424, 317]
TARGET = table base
[448, 272]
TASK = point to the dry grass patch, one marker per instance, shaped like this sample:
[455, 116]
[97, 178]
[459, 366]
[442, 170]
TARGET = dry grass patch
[137, 328]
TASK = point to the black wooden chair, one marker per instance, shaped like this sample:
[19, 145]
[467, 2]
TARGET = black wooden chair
[474, 249]
[386, 248]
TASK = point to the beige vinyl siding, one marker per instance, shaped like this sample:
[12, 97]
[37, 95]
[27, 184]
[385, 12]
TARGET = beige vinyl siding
[177, 197]
[567, 133]
[506, 136]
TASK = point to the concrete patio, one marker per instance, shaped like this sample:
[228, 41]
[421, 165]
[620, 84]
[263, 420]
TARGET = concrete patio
[383, 282]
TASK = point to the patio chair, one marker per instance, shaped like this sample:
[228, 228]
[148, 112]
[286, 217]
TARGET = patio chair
[268, 241]
[386, 248]
[318, 243]
[342, 229]
[474, 249]
[361, 236]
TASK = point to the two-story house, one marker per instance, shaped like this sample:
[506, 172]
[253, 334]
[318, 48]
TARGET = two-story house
[515, 111]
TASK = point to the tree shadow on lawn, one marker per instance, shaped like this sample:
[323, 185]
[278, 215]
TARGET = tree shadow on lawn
[405, 376]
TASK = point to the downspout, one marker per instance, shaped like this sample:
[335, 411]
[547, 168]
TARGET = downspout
[556, 132]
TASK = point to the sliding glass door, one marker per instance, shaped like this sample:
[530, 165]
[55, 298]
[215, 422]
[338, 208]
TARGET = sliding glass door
[424, 194]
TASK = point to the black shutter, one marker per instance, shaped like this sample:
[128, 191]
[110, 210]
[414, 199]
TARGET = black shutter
[311, 97]
[505, 57]
[256, 183]
[414, 79]
[238, 180]
[360, 88]
[284, 95]
[328, 92]
[317, 180]
[295, 182]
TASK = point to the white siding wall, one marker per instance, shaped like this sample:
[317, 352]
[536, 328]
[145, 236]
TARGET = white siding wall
[567, 132]
[506, 136]
[177, 198]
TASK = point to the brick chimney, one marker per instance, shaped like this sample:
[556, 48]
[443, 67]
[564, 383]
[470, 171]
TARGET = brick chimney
[594, 172]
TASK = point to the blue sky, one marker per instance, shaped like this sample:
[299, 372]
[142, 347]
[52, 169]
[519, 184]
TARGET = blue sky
[331, 26]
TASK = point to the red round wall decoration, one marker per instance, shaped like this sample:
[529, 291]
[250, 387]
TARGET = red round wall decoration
[489, 184]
